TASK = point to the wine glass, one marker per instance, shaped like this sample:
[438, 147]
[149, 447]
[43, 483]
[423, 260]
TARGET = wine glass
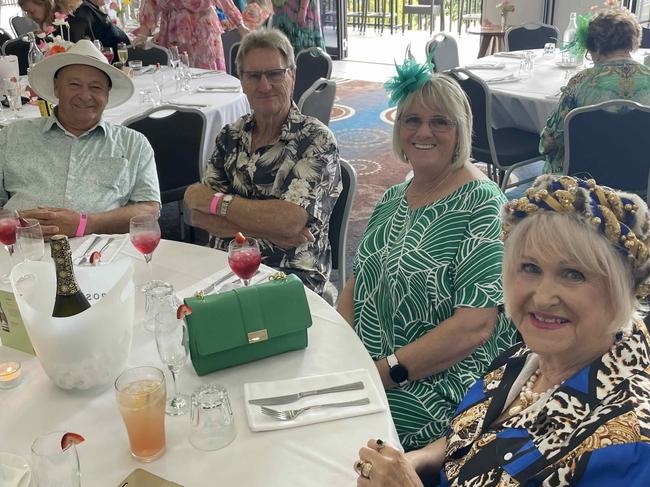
[159, 83]
[108, 54]
[174, 56]
[186, 73]
[12, 90]
[8, 224]
[122, 53]
[172, 342]
[29, 239]
[144, 233]
[244, 259]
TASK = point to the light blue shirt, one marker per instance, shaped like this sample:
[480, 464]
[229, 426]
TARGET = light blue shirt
[105, 168]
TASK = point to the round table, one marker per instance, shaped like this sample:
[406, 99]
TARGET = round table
[527, 102]
[318, 454]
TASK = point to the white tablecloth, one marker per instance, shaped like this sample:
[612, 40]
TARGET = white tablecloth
[527, 102]
[314, 455]
[220, 109]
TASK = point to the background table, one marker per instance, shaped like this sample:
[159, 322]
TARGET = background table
[220, 108]
[319, 454]
[492, 39]
[527, 103]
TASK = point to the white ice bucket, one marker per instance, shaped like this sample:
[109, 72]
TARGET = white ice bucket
[90, 349]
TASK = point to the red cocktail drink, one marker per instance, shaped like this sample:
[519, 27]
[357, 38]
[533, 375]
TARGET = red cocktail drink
[146, 241]
[245, 262]
[8, 230]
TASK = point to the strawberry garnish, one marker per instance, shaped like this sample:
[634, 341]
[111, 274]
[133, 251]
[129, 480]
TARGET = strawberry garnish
[70, 439]
[95, 257]
[22, 222]
[239, 238]
[182, 311]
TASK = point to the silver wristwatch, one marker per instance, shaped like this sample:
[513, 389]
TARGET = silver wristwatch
[225, 203]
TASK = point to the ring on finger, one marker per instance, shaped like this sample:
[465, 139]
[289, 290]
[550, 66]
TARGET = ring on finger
[357, 466]
[366, 468]
[380, 445]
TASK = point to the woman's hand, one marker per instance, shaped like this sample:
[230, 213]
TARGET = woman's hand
[302, 15]
[140, 40]
[388, 467]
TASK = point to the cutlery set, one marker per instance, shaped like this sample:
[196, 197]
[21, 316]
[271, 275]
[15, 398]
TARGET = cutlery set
[503, 79]
[84, 258]
[290, 414]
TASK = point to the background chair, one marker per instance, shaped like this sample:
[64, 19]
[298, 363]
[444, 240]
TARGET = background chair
[443, 51]
[623, 162]
[311, 64]
[22, 25]
[645, 35]
[227, 40]
[427, 8]
[232, 68]
[154, 54]
[19, 48]
[177, 135]
[4, 36]
[339, 220]
[318, 100]
[504, 149]
[530, 36]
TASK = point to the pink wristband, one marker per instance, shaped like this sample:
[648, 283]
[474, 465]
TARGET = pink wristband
[81, 229]
[215, 203]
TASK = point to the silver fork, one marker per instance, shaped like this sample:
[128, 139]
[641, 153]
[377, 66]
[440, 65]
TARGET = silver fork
[86, 254]
[86, 259]
[289, 414]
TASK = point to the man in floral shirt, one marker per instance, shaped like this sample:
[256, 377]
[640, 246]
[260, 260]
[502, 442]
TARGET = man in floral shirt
[275, 173]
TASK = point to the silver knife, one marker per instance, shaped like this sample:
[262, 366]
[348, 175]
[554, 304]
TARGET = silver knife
[289, 398]
[86, 254]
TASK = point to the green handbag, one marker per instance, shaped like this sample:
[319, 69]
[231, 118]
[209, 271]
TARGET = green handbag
[247, 324]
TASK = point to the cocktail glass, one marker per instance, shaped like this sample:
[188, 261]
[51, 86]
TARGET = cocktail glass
[144, 233]
[53, 466]
[141, 397]
[244, 259]
[8, 224]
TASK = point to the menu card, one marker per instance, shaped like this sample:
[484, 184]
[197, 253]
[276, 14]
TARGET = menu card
[12, 330]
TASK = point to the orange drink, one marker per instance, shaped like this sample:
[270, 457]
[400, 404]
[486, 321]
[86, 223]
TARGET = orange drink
[141, 396]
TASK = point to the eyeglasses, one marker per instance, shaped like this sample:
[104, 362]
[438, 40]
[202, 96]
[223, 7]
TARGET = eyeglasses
[436, 124]
[274, 76]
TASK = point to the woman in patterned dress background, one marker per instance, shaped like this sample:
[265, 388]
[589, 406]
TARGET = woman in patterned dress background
[300, 22]
[570, 406]
[192, 25]
[426, 284]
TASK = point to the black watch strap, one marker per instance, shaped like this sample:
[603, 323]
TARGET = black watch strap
[398, 373]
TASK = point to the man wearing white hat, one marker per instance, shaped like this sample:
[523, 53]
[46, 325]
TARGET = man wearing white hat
[73, 171]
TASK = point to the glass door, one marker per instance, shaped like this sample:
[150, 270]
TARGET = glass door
[333, 14]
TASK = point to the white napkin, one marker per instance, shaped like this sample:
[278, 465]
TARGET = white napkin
[258, 421]
[262, 274]
[108, 254]
[513, 55]
[503, 79]
[14, 470]
[486, 66]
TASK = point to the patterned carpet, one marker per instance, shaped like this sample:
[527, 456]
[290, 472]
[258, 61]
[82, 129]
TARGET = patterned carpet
[362, 124]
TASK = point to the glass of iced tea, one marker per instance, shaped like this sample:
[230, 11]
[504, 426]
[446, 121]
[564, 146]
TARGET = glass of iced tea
[141, 396]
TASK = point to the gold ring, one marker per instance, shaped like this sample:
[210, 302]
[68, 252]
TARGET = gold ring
[366, 468]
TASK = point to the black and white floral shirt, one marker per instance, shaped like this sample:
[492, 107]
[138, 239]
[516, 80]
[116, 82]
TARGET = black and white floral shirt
[302, 167]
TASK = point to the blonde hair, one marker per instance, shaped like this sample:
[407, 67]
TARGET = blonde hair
[442, 94]
[562, 236]
[49, 10]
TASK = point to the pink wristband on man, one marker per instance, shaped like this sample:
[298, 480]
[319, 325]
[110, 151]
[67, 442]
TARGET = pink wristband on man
[81, 229]
[215, 203]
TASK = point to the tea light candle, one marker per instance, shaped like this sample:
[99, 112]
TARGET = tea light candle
[9, 375]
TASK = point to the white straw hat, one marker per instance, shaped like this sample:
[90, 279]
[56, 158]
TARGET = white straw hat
[41, 76]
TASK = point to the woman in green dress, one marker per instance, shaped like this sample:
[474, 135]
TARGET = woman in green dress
[425, 295]
[300, 22]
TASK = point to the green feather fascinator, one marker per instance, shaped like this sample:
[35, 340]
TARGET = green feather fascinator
[410, 77]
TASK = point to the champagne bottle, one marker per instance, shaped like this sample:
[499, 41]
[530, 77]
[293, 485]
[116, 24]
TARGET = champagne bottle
[69, 298]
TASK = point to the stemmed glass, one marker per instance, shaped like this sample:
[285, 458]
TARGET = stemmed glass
[158, 82]
[173, 348]
[144, 233]
[122, 53]
[29, 239]
[244, 259]
[8, 224]
[108, 54]
[186, 73]
[12, 90]
[174, 62]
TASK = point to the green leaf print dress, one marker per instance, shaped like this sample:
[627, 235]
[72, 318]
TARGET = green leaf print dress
[412, 269]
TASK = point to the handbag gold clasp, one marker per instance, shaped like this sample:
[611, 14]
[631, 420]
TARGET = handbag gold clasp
[258, 336]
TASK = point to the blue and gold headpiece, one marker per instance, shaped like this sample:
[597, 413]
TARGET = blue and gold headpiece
[622, 218]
